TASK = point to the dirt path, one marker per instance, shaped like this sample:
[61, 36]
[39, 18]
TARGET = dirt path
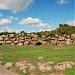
[4, 71]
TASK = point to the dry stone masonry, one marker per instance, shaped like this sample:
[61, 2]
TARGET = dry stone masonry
[19, 39]
[59, 40]
[32, 39]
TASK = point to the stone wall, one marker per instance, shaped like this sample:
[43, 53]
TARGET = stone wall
[32, 39]
[59, 40]
[19, 39]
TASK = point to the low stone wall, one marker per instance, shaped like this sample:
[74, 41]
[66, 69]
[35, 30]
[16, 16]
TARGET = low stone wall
[19, 39]
[32, 39]
[59, 40]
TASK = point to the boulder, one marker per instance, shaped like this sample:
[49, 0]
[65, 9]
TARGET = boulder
[22, 34]
[35, 36]
[20, 64]
[43, 36]
[6, 39]
[68, 42]
[61, 43]
[67, 36]
[33, 42]
[40, 58]
[22, 38]
[45, 43]
[1, 39]
[34, 39]
[20, 44]
[8, 42]
[26, 43]
[15, 42]
[61, 38]
[44, 67]
[28, 35]
[17, 39]
[53, 43]
[28, 40]
[11, 35]
[0, 42]
[3, 36]
[19, 35]
[21, 41]
[60, 66]
[73, 36]
[3, 42]
[12, 44]
[9, 64]
[53, 38]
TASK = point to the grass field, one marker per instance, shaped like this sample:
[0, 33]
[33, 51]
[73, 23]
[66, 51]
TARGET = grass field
[31, 53]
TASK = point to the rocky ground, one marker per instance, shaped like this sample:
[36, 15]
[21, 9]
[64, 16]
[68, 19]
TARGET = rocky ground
[30, 69]
[4, 71]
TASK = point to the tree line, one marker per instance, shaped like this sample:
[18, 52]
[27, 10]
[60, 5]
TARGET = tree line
[62, 29]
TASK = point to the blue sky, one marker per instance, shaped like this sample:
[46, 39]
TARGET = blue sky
[35, 15]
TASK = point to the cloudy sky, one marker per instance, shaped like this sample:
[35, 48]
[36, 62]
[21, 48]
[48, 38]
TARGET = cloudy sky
[35, 15]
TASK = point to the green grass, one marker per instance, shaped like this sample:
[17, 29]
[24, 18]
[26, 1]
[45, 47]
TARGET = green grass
[31, 53]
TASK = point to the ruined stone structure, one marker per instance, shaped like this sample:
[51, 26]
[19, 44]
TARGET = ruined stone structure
[19, 39]
[59, 40]
[32, 39]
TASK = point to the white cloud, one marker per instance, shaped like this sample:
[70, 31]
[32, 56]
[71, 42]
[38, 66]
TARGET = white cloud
[62, 1]
[71, 22]
[34, 22]
[12, 18]
[1, 15]
[4, 22]
[30, 20]
[15, 5]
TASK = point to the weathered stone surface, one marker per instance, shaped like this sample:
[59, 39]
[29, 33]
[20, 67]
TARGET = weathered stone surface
[45, 67]
[33, 42]
[22, 34]
[8, 42]
[61, 43]
[12, 44]
[1, 39]
[73, 36]
[68, 41]
[61, 38]
[3, 36]
[20, 64]
[26, 43]
[64, 65]
[21, 41]
[20, 44]
[34, 39]
[12, 35]
[9, 64]
[15, 42]
[6, 39]
[3, 42]
[53, 43]
[51, 40]
[22, 38]
[45, 43]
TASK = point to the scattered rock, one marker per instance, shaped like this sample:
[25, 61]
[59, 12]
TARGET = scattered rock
[40, 58]
[9, 64]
